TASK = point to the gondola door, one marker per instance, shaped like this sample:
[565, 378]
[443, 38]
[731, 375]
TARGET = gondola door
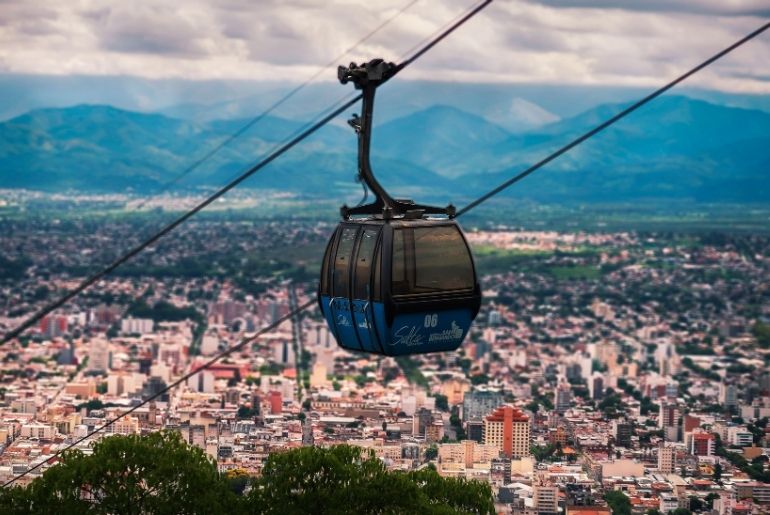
[339, 304]
[362, 300]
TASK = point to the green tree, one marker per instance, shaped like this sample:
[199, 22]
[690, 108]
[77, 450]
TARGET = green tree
[542, 453]
[237, 479]
[342, 479]
[157, 473]
[160, 474]
[618, 502]
[696, 504]
[246, 412]
[456, 422]
[762, 333]
[479, 379]
[681, 511]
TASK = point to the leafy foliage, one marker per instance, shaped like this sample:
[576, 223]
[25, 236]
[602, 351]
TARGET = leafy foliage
[755, 470]
[442, 402]
[411, 370]
[160, 474]
[431, 453]
[10, 269]
[762, 333]
[611, 404]
[342, 479]
[157, 473]
[542, 453]
[164, 311]
[619, 503]
[709, 374]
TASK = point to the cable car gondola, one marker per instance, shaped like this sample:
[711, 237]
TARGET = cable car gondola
[395, 280]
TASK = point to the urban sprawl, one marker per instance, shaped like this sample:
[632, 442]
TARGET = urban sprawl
[637, 362]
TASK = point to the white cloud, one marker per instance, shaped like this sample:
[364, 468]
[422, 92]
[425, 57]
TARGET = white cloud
[537, 41]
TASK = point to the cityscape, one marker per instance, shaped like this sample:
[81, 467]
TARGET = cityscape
[633, 361]
[533, 280]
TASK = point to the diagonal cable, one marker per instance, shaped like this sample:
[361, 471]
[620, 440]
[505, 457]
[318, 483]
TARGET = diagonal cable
[630, 109]
[190, 213]
[226, 188]
[232, 184]
[173, 225]
[219, 146]
[467, 208]
[171, 386]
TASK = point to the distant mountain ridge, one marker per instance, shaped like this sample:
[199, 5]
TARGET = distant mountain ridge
[675, 148]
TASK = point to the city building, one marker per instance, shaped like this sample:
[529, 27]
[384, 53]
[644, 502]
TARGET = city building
[596, 387]
[562, 397]
[37, 430]
[136, 325]
[479, 403]
[153, 387]
[546, 497]
[666, 459]
[702, 444]
[457, 459]
[454, 389]
[508, 429]
[668, 502]
[53, 326]
[728, 396]
[758, 409]
[739, 436]
[276, 402]
[668, 421]
[588, 510]
[99, 355]
[622, 431]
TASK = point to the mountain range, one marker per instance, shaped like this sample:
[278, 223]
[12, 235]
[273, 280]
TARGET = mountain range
[675, 148]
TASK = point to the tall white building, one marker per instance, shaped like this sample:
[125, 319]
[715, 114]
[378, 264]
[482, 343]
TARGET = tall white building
[125, 426]
[38, 430]
[740, 436]
[728, 396]
[99, 355]
[283, 352]
[209, 344]
[161, 370]
[546, 498]
[125, 383]
[669, 421]
[563, 397]
[202, 382]
[26, 405]
[666, 459]
[136, 325]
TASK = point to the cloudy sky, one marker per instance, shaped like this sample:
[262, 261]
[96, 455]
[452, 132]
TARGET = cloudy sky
[611, 42]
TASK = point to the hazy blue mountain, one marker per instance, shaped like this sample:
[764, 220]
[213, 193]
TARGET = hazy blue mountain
[93, 148]
[674, 148]
[436, 137]
[100, 148]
